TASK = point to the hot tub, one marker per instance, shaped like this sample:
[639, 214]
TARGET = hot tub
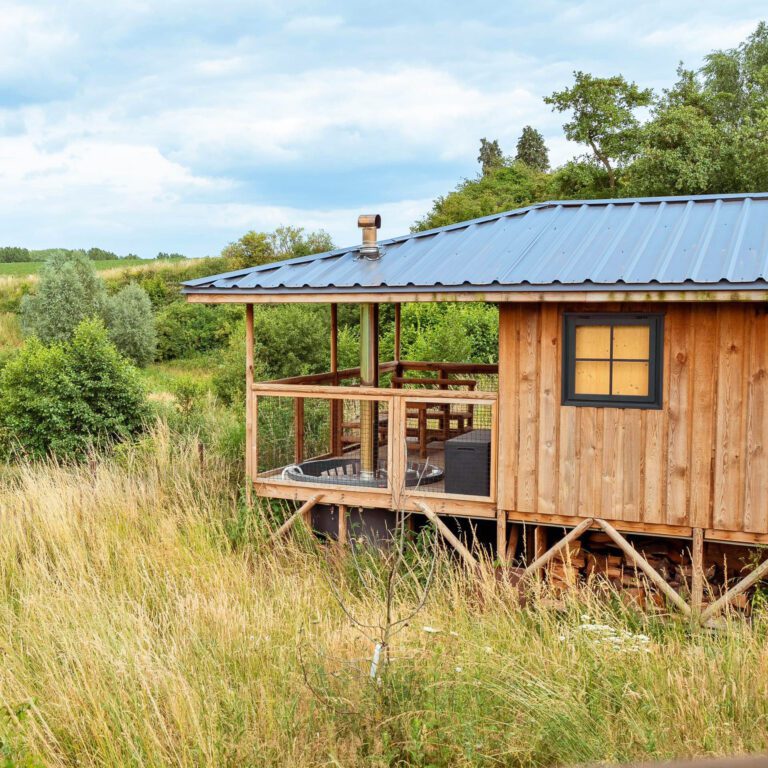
[346, 471]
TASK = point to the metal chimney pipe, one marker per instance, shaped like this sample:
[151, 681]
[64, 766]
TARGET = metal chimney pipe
[369, 223]
[369, 359]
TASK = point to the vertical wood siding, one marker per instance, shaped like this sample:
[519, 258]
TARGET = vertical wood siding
[702, 460]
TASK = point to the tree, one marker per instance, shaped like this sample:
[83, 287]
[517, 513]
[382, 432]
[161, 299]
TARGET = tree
[11, 253]
[251, 250]
[256, 248]
[680, 154]
[290, 242]
[131, 324]
[99, 254]
[69, 292]
[63, 397]
[603, 117]
[505, 188]
[490, 156]
[532, 150]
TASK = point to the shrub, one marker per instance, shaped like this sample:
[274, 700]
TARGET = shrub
[183, 329]
[229, 378]
[132, 325]
[292, 339]
[69, 292]
[61, 398]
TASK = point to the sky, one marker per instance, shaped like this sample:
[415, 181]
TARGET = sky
[141, 126]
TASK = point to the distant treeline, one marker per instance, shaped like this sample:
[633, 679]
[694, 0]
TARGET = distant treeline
[14, 254]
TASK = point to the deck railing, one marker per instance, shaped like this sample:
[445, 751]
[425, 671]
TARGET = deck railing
[309, 434]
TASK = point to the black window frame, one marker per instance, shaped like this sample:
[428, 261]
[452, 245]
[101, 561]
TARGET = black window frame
[655, 322]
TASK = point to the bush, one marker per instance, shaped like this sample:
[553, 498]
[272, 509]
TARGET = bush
[69, 292]
[183, 329]
[132, 325]
[292, 339]
[61, 398]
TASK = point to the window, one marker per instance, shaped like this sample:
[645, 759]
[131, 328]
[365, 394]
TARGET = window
[612, 360]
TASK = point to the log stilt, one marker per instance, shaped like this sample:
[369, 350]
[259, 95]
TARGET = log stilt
[645, 567]
[546, 556]
[448, 535]
[342, 536]
[501, 535]
[303, 512]
[697, 574]
[512, 540]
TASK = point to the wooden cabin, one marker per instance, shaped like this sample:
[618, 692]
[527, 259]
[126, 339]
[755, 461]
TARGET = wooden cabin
[631, 385]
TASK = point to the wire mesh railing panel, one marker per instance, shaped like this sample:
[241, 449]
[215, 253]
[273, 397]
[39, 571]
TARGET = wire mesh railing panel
[323, 441]
[449, 447]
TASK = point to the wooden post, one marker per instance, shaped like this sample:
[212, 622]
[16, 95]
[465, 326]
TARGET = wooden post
[301, 513]
[697, 574]
[501, 535]
[397, 334]
[251, 469]
[298, 429]
[512, 540]
[539, 540]
[336, 406]
[334, 340]
[341, 536]
[645, 567]
[545, 557]
[448, 534]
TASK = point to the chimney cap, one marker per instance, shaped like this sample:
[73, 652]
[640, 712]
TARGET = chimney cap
[369, 220]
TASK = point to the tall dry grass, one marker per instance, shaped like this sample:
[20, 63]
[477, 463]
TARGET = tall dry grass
[145, 621]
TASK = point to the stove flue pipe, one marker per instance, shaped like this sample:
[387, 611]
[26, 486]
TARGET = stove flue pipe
[369, 358]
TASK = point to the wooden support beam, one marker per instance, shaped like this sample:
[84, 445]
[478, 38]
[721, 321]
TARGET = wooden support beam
[342, 536]
[755, 576]
[448, 535]
[298, 429]
[697, 574]
[251, 470]
[397, 332]
[513, 538]
[545, 557]
[539, 540]
[645, 567]
[501, 535]
[334, 339]
[302, 513]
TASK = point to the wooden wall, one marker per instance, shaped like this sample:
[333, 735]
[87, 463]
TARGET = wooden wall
[702, 460]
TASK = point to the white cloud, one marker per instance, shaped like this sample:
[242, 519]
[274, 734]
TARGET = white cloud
[30, 38]
[701, 36]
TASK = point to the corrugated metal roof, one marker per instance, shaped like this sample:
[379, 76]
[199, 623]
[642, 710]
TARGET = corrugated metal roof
[681, 243]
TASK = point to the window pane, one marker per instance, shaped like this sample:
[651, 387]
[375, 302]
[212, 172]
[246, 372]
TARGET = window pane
[631, 341]
[630, 379]
[592, 378]
[593, 341]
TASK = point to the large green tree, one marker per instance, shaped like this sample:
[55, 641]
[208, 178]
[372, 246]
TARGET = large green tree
[532, 150]
[505, 188]
[490, 156]
[602, 111]
[256, 248]
[69, 291]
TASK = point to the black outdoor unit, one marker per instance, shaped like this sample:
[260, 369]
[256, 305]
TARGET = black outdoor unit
[468, 463]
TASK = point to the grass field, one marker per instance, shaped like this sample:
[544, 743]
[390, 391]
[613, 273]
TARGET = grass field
[147, 621]
[26, 268]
